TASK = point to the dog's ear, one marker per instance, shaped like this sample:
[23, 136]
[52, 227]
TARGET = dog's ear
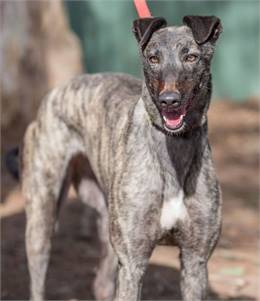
[144, 28]
[204, 28]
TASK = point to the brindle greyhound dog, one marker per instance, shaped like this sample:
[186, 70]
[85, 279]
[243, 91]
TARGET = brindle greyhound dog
[138, 153]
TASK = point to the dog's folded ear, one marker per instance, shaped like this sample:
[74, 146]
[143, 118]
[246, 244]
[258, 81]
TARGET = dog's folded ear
[204, 28]
[144, 28]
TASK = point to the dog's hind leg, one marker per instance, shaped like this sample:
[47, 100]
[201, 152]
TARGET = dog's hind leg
[105, 282]
[104, 285]
[47, 150]
[90, 193]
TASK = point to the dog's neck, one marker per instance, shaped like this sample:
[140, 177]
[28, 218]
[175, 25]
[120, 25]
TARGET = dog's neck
[181, 153]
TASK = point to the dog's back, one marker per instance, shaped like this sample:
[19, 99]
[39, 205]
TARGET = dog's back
[92, 96]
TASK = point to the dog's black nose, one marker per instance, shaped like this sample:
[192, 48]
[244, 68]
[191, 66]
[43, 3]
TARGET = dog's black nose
[172, 99]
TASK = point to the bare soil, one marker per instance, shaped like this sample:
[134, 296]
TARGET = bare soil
[234, 266]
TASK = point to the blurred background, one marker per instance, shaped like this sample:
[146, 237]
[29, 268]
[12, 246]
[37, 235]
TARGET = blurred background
[45, 43]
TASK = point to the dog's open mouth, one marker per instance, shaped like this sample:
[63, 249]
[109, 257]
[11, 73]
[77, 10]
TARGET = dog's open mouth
[173, 119]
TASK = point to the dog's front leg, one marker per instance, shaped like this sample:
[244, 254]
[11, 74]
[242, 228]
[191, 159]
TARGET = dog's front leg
[198, 240]
[194, 275]
[129, 281]
[133, 243]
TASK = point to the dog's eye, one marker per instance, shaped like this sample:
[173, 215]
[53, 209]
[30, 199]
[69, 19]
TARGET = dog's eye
[190, 58]
[154, 59]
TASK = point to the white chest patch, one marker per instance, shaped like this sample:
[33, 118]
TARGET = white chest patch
[173, 209]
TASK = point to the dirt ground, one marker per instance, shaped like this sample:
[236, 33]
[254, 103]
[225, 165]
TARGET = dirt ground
[234, 266]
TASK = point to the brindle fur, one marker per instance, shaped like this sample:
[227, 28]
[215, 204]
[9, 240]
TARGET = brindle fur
[104, 133]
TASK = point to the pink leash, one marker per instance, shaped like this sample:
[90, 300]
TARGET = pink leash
[142, 9]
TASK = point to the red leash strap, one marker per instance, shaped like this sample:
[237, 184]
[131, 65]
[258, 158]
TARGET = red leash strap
[142, 9]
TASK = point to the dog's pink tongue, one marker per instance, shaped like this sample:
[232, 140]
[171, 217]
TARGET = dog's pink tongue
[172, 119]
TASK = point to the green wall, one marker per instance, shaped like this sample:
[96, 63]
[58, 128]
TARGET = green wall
[104, 28]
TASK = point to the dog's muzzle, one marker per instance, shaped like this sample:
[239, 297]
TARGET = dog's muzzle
[172, 109]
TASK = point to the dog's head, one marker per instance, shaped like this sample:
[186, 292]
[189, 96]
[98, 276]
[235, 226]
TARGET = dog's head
[176, 62]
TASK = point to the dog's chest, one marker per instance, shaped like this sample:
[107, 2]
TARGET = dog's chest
[173, 210]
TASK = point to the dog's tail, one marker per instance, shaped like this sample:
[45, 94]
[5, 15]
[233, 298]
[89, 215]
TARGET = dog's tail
[12, 162]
